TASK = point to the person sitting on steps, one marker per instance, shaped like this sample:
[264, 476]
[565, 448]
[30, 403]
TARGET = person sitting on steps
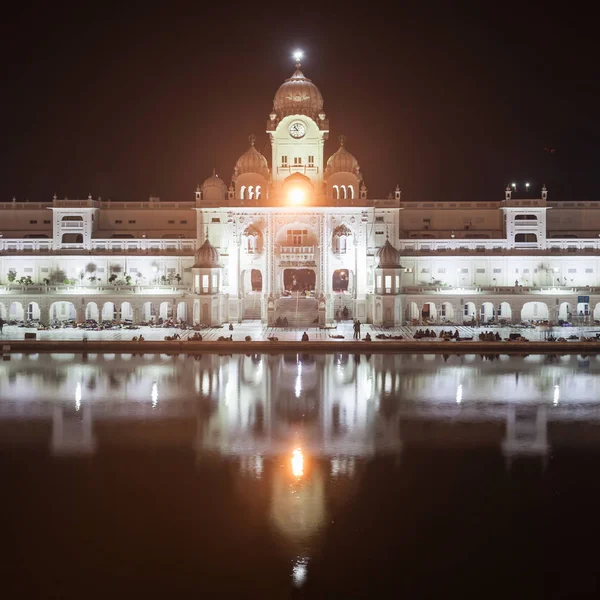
[305, 337]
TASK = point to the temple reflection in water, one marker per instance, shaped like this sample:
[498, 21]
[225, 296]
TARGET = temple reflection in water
[300, 428]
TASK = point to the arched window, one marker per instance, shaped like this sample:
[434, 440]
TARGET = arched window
[343, 187]
[526, 218]
[250, 192]
[242, 192]
[351, 191]
[336, 192]
[340, 239]
[258, 192]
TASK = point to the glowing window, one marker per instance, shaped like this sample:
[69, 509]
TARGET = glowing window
[242, 192]
[258, 194]
[336, 192]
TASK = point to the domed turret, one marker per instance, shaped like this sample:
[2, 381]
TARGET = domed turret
[207, 256]
[214, 189]
[298, 95]
[388, 257]
[342, 161]
[252, 161]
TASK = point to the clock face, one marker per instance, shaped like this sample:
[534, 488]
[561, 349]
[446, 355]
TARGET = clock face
[297, 130]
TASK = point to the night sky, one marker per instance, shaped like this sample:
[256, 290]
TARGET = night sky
[125, 103]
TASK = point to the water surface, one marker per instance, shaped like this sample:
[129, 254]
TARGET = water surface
[277, 476]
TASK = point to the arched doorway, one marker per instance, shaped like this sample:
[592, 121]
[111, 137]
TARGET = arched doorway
[487, 312]
[564, 312]
[299, 280]
[412, 313]
[91, 312]
[469, 312]
[148, 312]
[33, 311]
[16, 312]
[62, 311]
[504, 311]
[535, 311]
[3, 314]
[447, 312]
[429, 312]
[126, 311]
[165, 311]
[340, 281]
[182, 312]
[108, 311]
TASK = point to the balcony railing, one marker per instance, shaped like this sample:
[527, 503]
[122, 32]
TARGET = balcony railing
[99, 246]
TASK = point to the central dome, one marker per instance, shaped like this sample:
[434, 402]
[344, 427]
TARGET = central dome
[298, 95]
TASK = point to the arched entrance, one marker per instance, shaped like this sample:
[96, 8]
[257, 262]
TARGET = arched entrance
[3, 314]
[108, 311]
[469, 312]
[447, 312]
[62, 311]
[165, 311]
[504, 311]
[33, 311]
[182, 312]
[340, 281]
[535, 311]
[16, 312]
[148, 312]
[299, 280]
[91, 312]
[412, 313]
[126, 312]
[429, 313]
[487, 312]
[564, 312]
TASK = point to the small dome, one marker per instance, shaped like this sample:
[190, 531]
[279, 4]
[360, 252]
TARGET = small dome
[298, 95]
[207, 256]
[388, 256]
[214, 181]
[342, 161]
[252, 161]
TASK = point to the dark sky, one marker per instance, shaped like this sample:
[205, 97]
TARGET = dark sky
[129, 102]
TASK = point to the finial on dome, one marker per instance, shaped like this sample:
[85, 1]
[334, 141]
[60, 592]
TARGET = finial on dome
[214, 172]
[207, 233]
[252, 139]
[298, 54]
[342, 139]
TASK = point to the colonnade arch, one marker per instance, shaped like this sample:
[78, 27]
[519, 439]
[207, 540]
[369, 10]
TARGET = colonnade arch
[535, 311]
[62, 311]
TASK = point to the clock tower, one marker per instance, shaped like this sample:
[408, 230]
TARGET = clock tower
[298, 128]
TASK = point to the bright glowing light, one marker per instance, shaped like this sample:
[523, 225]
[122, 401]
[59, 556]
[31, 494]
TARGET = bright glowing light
[556, 395]
[298, 386]
[154, 394]
[298, 54]
[527, 185]
[78, 396]
[459, 393]
[299, 571]
[296, 196]
[297, 463]
[514, 185]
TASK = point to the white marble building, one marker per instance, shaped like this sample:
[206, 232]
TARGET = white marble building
[299, 239]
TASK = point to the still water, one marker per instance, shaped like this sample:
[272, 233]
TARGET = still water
[299, 475]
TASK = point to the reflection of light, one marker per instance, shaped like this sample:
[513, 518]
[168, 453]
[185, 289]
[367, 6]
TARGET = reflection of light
[298, 387]
[299, 571]
[296, 196]
[154, 394]
[556, 394]
[298, 54]
[459, 393]
[78, 396]
[369, 388]
[297, 463]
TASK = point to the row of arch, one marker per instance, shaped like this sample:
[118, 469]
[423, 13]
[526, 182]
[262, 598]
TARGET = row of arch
[343, 192]
[108, 311]
[250, 192]
[488, 312]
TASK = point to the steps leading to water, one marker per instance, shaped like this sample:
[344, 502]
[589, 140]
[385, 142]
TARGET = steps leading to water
[299, 311]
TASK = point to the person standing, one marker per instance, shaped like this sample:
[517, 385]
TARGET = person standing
[358, 329]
